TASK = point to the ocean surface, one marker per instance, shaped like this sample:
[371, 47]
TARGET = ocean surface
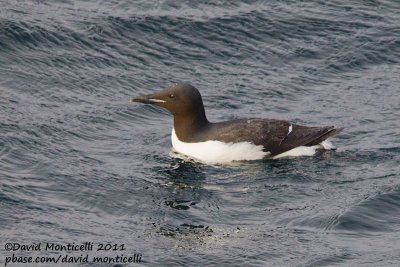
[80, 163]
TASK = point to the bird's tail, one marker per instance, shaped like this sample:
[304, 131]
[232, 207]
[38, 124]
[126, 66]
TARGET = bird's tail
[329, 133]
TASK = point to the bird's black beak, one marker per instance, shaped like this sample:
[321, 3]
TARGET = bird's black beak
[148, 99]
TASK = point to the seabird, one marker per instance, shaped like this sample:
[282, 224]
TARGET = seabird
[241, 139]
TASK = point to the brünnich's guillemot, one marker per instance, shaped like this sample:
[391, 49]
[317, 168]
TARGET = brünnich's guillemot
[241, 139]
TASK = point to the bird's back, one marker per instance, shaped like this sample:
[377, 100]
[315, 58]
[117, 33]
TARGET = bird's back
[276, 136]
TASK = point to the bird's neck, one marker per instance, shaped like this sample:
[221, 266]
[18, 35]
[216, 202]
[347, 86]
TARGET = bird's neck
[188, 127]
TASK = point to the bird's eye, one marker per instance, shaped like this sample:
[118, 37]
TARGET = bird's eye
[171, 96]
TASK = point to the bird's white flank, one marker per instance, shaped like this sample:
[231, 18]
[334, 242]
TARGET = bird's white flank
[218, 152]
[306, 150]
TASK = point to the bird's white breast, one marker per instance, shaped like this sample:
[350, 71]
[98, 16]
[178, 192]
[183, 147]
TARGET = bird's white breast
[218, 152]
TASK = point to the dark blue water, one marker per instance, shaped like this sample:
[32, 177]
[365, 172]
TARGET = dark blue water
[79, 163]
